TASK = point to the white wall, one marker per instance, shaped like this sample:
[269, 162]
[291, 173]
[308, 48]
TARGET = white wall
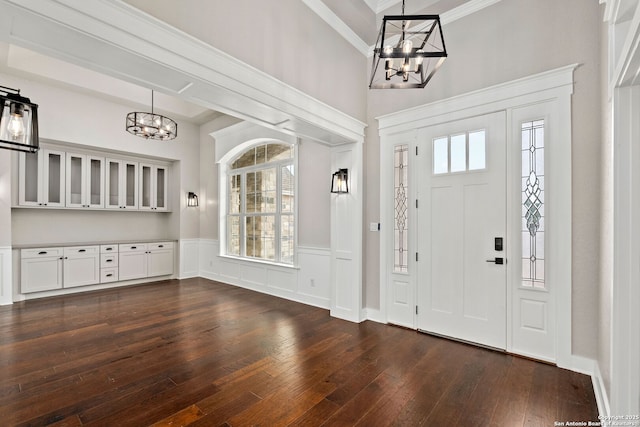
[509, 40]
[314, 201]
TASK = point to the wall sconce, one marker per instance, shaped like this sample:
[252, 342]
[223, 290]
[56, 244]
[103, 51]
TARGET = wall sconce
[18, 121]
[192, 199]
[340, 181]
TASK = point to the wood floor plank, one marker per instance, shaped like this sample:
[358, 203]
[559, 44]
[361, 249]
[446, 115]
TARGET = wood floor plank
[199, 353]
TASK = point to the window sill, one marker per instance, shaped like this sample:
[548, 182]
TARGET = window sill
[261, 262]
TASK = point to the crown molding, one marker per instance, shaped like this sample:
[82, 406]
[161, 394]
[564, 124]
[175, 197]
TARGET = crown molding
[466, 9]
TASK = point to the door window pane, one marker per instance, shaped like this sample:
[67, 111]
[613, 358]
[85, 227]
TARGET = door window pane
[477, 154]
[533, 230]
[401, 214]
[441, 155]
[459, 153]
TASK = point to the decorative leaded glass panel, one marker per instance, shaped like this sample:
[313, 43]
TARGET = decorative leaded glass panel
[401, 213]
[533, 229]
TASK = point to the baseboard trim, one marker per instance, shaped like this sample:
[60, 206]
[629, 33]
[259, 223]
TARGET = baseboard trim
[602, 399]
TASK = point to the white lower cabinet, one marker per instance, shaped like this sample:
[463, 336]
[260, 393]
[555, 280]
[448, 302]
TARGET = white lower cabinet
[81, 266]
[132, 261]
[46, 269]
[160, 259]
[55, 268]
[139, 260]
[41, 269]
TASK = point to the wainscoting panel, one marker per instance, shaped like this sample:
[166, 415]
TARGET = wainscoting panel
[315, 275]
[189, 258]
[308, 283]
[6, 294]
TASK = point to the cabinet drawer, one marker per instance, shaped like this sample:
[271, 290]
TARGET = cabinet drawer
[41, 252]
[108, 275]
[108, 260]
[133, 247]
[81, 250]
[109, 249]
[160, 245]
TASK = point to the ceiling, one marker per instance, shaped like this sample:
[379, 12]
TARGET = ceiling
[362, 17]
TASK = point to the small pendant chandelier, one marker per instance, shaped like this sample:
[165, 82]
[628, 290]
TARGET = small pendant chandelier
[151, 125]
[408, 52]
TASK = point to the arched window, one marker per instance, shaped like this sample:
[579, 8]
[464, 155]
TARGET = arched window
[261, 200]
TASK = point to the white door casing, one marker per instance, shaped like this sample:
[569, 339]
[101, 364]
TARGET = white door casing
[550, 91]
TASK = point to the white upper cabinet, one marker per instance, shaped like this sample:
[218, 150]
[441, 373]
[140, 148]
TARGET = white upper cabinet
[121, 184]
[42, 178]
[85, 181]
[153, 187]
[80, 178]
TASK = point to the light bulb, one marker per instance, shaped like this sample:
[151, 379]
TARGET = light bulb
[407, 46]
[15, 127]
[388, 50]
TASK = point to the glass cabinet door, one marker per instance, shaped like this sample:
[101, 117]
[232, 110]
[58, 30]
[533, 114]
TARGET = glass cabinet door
[76, 183]
[112, 182]
[145, 187]
[130, 182]
[30, 172]
[153, 187]
[161, 188]
[95, 182]
[54, 165]
[121, 184]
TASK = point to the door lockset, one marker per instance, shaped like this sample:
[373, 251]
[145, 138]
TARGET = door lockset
[496, 260]
[498, 244]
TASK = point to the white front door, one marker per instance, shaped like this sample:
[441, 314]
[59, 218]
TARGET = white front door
[462, 278]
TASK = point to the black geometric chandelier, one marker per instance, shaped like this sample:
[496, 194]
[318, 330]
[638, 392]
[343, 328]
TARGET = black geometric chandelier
[151, 125]
[409, 50]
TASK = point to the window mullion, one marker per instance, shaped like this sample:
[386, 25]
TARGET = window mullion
[243, 213]
[278, 212]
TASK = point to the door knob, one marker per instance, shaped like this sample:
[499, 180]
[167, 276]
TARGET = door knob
[496, 260]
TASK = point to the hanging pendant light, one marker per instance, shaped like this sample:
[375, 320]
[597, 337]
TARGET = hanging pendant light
[408, 52]
[18, 122]
[151, 125]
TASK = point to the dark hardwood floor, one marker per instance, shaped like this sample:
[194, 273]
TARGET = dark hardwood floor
[200, 353]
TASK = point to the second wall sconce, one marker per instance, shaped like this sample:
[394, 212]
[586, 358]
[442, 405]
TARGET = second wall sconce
[340, 182]
[192, 199]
